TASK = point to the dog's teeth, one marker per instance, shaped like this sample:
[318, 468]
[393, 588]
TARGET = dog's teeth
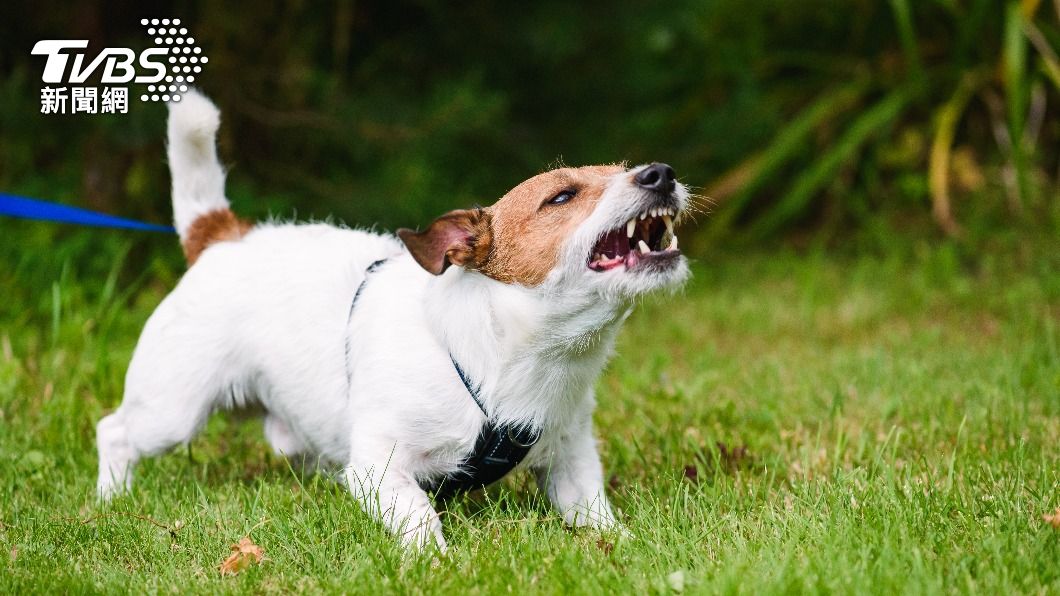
[644, 216]
[598, 257]
[669, 223]
[629, 227]
[673, 243]
[643, 246]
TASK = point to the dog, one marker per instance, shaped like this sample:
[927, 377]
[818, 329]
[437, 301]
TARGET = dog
[430, 361]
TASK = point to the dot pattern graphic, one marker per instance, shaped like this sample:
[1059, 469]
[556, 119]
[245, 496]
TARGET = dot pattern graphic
[184, 59]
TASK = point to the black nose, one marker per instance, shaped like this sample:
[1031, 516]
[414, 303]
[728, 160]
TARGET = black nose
[658, 177]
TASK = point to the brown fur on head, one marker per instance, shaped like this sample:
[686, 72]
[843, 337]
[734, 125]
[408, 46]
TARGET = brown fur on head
[518, 238]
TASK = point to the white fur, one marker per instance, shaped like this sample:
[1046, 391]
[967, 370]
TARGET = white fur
[198, 178]
[265, 320]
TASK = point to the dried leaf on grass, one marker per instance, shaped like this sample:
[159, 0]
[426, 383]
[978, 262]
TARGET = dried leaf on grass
[728, 459]
[244, 554]
[604, 545]
[1053, 519]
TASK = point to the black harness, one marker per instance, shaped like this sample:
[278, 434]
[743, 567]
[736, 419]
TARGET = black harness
[498, 449]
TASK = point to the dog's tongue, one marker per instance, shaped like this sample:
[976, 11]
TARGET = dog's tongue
[616, 252]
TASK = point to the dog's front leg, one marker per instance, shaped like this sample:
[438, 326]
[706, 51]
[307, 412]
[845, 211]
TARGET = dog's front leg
[390, 495]
[573, 478]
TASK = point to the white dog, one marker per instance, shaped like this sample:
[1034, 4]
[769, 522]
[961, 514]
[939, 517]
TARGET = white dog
[374, 353]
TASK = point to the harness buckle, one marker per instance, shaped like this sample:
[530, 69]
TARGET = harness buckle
[515, 439]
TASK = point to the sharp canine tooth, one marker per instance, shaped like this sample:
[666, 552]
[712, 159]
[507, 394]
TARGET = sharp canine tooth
[643, 247]
[629, 227]
[673, 243]
[669, 223]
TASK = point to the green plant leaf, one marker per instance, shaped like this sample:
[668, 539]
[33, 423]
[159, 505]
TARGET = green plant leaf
[1014, 64]
[1050, 61]
[873, 120]
[753, 173]
[946, 120]
[907, 34]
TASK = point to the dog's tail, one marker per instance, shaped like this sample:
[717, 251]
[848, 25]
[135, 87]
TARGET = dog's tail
[201, 212]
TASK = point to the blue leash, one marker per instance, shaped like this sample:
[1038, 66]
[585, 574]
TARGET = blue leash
[27, 208]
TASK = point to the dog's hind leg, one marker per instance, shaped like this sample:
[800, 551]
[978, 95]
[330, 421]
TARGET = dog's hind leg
[144, 426]
[170, 391]
[280, 437]
[116, 457]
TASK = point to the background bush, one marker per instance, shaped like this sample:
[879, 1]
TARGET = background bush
[789, 116]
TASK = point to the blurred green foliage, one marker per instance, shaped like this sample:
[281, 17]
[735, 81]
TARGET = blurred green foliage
[788, 116]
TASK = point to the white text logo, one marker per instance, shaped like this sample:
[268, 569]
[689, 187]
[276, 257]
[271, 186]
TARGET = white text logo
[167, 69]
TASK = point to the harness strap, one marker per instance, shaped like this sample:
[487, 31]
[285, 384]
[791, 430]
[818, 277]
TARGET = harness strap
[474, 391]
[498, 448]
[349, 316]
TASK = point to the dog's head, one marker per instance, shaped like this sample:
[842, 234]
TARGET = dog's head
[603, 227]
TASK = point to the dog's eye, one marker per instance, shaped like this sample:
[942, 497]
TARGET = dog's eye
[561, 198]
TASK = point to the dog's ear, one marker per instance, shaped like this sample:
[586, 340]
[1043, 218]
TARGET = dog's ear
[460, 237]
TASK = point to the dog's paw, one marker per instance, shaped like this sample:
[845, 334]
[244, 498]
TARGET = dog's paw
[108, 489]
[424, 540]
[590, 515]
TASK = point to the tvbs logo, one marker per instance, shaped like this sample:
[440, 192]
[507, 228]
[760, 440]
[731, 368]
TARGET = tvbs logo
[118, 63]
[167, 69]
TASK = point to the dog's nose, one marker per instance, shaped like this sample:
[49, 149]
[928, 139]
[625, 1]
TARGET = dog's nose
[658, 177]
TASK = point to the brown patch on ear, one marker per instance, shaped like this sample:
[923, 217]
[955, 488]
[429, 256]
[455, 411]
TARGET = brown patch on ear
[215, 226]
[462, 237]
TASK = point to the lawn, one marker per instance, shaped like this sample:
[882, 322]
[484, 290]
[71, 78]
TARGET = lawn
[823, 421]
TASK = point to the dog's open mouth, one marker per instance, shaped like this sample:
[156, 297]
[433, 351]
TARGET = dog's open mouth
[649, 237]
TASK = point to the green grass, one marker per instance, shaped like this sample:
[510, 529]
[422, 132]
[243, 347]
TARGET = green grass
[789, 423]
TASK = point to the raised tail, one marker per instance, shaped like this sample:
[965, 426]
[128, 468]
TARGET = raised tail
[201, 212]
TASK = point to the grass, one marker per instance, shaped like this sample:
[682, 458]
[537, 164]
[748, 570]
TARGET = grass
[790, 423]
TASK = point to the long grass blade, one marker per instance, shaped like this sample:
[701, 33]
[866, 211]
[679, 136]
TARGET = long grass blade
[946, 121]
[870, 122]
[903, 17]
[1050, 61]
[738, 185]
[1013, 63]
